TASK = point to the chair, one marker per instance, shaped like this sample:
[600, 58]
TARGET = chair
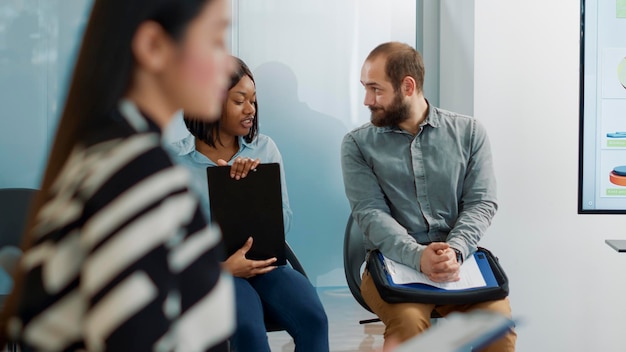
[270, 325]
[354, 253]
[14, 206]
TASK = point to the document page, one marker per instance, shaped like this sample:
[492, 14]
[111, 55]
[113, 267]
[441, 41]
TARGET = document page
[470, 275]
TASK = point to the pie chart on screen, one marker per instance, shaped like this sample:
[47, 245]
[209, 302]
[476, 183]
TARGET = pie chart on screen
[618, 176]
[621, 72]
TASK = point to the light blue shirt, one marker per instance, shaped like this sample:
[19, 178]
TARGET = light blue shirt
[182, 146]
[407, 191]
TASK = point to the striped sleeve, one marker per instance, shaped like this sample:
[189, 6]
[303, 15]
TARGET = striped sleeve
[130, 262]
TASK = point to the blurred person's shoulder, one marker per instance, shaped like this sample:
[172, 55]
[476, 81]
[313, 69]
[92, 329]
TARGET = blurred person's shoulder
[115, 157]
[113, 128]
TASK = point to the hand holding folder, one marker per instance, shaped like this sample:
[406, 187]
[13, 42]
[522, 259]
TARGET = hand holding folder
[240, 266]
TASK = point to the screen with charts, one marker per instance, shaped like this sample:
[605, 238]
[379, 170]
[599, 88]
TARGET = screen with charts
[602, 163]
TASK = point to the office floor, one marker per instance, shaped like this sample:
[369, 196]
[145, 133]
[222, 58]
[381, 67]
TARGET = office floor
[346, 335]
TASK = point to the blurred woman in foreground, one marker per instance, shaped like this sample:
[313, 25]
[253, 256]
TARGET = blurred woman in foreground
[118, 255]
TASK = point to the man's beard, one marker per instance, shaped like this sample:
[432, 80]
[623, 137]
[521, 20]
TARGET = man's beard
[392, 115]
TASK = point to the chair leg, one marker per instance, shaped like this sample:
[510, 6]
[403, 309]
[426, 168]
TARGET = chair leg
[11, 347]
[367, 321]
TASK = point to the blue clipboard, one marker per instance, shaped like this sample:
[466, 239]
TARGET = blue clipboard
[483, 265]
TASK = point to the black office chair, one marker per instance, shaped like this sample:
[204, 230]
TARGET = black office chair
[354, 253]
[14, 206]
[270, 325]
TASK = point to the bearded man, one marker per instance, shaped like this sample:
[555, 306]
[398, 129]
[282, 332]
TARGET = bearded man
[421, 186]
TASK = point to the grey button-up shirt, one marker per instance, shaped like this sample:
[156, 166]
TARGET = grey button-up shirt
[407, 191]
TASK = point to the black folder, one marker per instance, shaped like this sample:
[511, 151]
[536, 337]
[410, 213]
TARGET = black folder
[249, 207]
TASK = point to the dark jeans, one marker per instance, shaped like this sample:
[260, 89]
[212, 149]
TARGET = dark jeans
[286, 297]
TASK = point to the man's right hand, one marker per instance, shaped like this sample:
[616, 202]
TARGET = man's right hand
[439, 263]
[240, 266]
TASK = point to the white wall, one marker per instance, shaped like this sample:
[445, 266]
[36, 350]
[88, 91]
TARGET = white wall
[567, 287]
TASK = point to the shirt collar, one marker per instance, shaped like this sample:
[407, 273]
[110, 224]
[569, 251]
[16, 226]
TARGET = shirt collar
[187, 145]
[189, 148]
[433, 117]
[243, 144]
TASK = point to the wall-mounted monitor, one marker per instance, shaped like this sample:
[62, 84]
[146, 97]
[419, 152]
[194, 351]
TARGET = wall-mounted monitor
[602, 152]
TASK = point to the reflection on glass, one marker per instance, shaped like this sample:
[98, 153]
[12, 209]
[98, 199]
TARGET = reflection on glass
[38, 41]
[306, 56]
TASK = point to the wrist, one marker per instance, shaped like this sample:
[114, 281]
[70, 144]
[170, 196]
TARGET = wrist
[459, 255]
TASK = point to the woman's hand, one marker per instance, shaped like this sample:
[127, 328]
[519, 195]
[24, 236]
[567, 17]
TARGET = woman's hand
[241, 166]
[240, 266]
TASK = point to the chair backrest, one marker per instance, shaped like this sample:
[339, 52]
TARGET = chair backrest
[354, 253]
[14, 206]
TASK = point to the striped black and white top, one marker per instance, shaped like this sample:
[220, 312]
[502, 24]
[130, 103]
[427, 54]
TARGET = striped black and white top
[123, 259]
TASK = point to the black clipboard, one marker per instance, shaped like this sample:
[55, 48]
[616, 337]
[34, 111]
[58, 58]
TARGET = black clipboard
[249, 207]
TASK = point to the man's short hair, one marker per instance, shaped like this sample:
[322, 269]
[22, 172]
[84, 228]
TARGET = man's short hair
[401, 60]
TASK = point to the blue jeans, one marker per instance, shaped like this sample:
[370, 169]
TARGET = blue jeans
[286, 297]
